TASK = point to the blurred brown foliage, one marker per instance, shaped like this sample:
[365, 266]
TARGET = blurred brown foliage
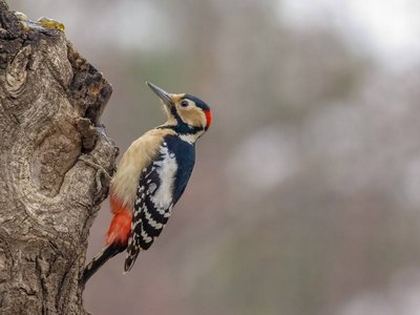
[305, 195]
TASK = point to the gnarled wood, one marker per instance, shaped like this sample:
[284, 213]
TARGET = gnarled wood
[55, 163]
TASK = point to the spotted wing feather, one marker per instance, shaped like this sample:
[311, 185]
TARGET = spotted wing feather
[153, 204]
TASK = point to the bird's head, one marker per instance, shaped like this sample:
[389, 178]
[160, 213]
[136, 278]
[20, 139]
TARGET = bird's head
[186, 113]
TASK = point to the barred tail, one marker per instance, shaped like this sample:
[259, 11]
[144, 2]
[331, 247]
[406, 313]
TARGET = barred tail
[99, 260]
[132, 253]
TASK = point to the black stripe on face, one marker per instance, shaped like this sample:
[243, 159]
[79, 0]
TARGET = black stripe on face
[174, 113]
[183, 129]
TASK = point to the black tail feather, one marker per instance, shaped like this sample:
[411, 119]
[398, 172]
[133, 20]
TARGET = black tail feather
[99, 260]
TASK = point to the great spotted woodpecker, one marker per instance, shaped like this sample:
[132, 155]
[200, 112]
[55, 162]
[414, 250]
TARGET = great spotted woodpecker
[151, 177]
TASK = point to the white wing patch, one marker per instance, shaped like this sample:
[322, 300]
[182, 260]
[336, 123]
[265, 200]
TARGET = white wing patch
[166, 169]
[154, 203]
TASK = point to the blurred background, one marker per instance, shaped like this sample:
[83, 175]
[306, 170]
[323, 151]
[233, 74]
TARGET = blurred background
[305, 196]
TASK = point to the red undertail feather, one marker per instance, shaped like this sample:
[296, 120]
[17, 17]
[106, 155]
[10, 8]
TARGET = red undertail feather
[120, 228]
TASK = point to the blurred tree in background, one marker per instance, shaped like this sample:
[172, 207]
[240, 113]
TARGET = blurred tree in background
[305, 197]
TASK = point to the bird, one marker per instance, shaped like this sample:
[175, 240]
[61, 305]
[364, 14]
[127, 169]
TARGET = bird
[151, 177]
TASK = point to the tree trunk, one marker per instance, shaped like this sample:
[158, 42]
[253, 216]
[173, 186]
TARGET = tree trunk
[55, 166]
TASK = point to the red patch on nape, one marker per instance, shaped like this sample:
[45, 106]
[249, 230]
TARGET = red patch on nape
[209, 118]
[120, 228]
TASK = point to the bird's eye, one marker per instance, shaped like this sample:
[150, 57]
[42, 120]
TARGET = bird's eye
[184, 103]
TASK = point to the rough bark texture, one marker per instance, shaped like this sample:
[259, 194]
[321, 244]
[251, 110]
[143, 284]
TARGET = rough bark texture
[55, 163]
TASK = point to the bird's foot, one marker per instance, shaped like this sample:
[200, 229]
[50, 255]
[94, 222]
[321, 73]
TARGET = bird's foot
[96, 166]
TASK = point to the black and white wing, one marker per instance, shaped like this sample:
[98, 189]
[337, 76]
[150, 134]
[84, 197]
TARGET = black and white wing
[153, 205]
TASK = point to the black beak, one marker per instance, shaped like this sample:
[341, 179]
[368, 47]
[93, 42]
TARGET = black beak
[163, 95]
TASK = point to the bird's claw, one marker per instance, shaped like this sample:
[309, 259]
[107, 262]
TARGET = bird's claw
[96, 166]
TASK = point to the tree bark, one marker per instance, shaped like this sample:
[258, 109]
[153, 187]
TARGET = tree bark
[55, 166]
